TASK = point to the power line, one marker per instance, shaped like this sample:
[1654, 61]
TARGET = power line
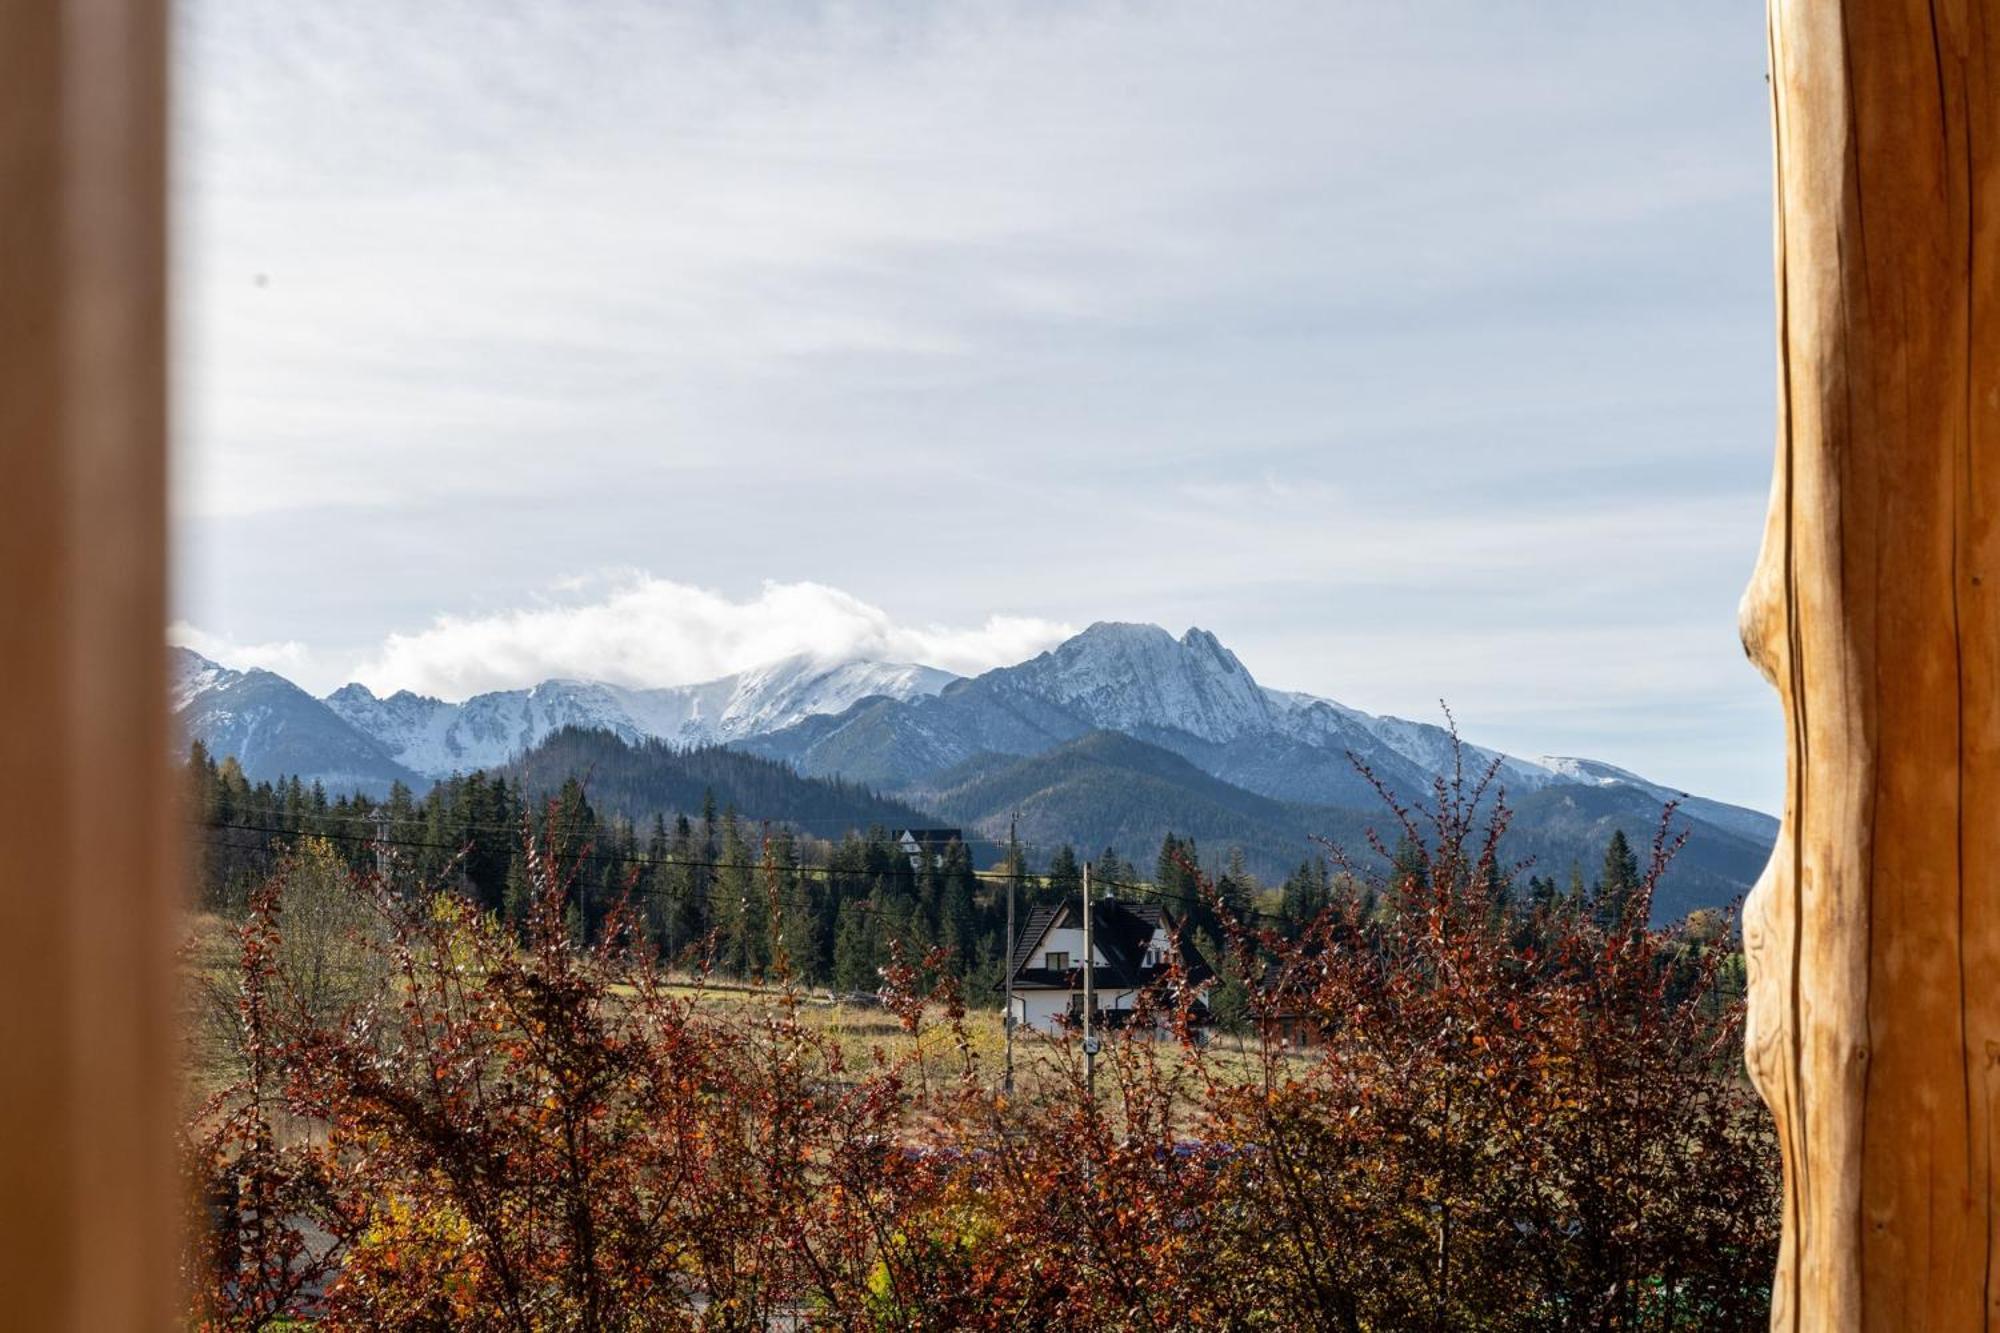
[845, 825]
[715, 895]
[1043, 880]
[616, 858]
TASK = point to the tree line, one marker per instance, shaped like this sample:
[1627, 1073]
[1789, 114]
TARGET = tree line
[715, 890]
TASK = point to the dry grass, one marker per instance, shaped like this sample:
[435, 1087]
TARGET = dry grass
[864, 1036]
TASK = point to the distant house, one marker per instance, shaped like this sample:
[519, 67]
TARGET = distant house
[1282, 1010]
[926, 844]
[1292, 1026]
[1133, 943]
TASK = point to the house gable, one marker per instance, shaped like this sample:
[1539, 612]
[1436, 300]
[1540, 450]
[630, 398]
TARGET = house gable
[1133, 943]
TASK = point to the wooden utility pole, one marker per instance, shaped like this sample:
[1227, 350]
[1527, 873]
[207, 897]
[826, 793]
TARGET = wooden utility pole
[1007, 1023]
[1089, 993]
[1874, 936]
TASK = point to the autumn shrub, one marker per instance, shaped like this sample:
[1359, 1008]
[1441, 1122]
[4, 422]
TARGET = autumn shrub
[1502, 1122]
[1459, 1114]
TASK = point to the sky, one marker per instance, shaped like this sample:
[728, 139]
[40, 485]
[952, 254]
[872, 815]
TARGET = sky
[1420, 352]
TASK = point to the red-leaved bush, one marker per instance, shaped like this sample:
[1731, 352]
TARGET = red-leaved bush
[1455, 1114]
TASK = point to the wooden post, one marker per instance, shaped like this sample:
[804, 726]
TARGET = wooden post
[1014, 864]
[1089, 994]
[1874, 936]
[87, 1021]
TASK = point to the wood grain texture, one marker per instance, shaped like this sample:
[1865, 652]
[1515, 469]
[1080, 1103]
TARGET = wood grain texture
[86, 871]
[1874, 935]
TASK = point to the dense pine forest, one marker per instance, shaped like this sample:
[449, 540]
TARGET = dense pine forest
[718, 889]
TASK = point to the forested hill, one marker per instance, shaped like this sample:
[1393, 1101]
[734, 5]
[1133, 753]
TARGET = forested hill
[1109, 790]
[646, 778]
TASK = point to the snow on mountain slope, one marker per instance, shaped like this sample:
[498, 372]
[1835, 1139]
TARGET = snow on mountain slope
[437, 738]
[1135, 677]
[1140, 679]
[191, 675]
[1754, 824]
[1429, 747]
[897, 725]
[274, 729]
[767, 698]
[1193, 697]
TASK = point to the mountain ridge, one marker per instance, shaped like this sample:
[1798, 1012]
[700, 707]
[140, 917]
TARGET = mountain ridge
[436, 738]
[904, 730]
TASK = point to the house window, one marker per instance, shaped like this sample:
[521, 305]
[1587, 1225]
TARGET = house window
[1154, 957]
[1056, 962]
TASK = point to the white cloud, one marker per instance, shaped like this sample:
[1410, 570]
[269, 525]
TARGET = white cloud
[287, 657]
[986, 305]
[644, 631]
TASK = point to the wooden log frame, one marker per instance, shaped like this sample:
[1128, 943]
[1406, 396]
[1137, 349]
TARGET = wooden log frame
[1874, 936]
[87, 882]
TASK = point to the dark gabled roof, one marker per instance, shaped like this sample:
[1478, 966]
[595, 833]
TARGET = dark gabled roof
[1038, 924]
[930, 836]
[1121, 930]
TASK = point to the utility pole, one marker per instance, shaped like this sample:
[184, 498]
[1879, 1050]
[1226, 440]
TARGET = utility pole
[382, 844]
[1089, 995]
[1007, 1023]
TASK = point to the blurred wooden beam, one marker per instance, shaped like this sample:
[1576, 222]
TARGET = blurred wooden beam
[1874, 936]
[87, 1025]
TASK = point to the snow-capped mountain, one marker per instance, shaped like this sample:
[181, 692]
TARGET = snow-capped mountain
[1106, 736]
[1191, 696]
[1138, 677]
[436, 738]
[353, 738]
[274, 729]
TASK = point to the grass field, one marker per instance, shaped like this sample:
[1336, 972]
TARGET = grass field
[865, 1035]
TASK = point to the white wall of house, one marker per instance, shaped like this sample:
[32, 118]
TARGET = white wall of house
[1067, 941]
[1043, 1010]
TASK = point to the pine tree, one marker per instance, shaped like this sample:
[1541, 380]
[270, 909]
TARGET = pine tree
[1306, 893]
[787, 934]
[1618, 883]
[685, 885]
[958, 908]
[1409, 868]
[855, 952]
[1110, 868]
[655, 904]
[1065, 877]
[738, 908]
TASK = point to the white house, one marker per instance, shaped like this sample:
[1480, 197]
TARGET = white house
[920, 844]
[1133, 947]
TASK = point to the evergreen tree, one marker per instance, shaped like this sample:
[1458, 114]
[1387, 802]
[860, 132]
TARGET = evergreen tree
[855, 948]
[684, 884]
[739, 904]
[1306, 893]
[1618, 883]
[1409, 868]
[786, 935]
[958, 908]
[1111, 869]
[1065, 877]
